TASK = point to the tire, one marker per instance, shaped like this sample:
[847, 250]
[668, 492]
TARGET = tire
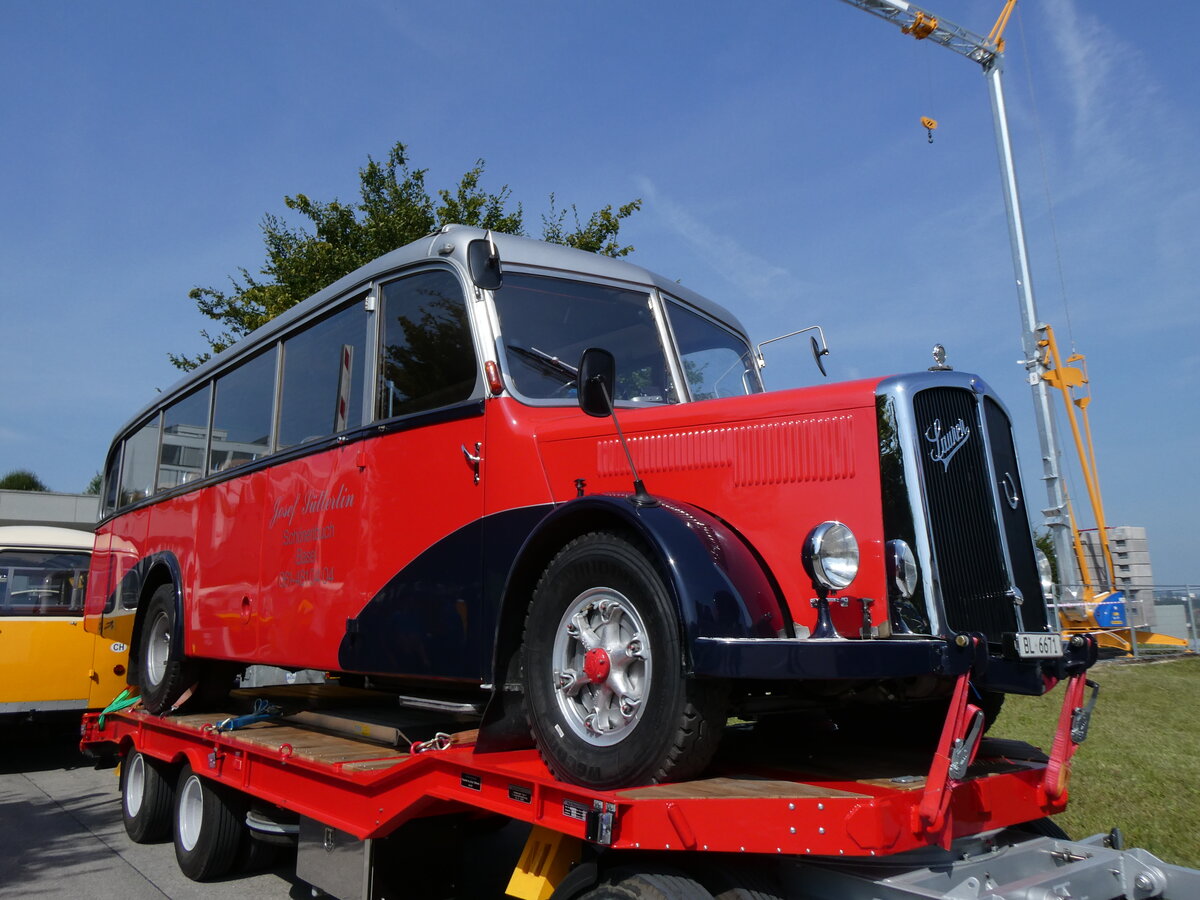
[147, 798]
[646, 884]
[210, 828]
[738, 882]
[164, 673]
[1044, 827]
[607, 699]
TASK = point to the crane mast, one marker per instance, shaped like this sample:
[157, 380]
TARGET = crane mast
[988, 52]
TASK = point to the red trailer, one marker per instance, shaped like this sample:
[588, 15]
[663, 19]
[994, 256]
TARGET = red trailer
[779, 815]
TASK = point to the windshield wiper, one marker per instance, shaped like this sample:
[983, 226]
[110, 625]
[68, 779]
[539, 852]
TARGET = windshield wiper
[549, 364]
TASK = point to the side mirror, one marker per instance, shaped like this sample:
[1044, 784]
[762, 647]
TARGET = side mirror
[483, 261]
[597, 372]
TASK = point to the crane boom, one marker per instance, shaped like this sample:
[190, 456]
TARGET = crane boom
[924, 25]
[988, 53]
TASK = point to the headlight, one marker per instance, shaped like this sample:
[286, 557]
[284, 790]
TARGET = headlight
[1045, 573]
[902, 568]
[831, 555]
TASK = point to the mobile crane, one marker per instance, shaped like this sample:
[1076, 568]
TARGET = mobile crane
[1102, 608]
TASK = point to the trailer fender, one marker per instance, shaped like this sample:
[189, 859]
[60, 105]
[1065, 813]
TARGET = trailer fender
[719, 587]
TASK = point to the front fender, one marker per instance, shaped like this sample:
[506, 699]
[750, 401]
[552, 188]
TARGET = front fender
[720, 588]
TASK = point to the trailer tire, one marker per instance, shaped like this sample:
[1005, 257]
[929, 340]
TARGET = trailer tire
[147, 798]
[608, 701]
[740, 883]
[1044, 827]
[658, 883]
[209, 826]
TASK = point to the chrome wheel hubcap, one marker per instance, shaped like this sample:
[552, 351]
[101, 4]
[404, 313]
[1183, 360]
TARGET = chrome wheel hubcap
[601, 666]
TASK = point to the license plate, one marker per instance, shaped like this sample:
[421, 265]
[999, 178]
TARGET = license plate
[1039, 646]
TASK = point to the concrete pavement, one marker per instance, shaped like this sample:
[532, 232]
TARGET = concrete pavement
[63, 837]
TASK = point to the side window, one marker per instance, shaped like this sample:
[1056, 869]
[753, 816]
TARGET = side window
[112, 480]
[323, 377]
[241, 425]
[141, 461]
[184, 440]
[427, 358]
[716, 361]
[42, 582]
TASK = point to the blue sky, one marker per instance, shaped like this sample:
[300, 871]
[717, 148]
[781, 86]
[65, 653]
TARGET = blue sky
[776, 144]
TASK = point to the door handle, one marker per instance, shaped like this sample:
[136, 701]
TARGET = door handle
[474, 459]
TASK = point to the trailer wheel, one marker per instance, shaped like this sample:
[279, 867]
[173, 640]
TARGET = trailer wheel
[740, 883]
[659, 883]
[147, 797]
[1044, 827]
[209, 826]
[607, 698]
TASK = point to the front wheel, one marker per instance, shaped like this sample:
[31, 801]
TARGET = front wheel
[608, 701]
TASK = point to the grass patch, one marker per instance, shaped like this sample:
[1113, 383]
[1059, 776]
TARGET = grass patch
[1139, 769]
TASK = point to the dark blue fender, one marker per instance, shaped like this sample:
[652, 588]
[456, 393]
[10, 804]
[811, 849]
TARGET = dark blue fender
[720, 588]
[142, 580]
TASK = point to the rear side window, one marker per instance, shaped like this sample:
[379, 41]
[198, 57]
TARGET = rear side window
[242, 413]
[140, 464]
[184, 440]
[42, 583]
[427, 358]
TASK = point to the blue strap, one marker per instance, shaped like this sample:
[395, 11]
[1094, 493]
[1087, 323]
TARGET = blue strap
[262, 711]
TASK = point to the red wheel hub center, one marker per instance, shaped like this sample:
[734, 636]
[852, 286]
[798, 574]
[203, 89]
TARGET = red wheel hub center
[597, 665]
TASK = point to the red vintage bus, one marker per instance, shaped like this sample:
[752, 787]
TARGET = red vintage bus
[394, 480]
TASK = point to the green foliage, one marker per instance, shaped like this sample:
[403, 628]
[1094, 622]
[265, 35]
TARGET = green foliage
[93, 486]
[22, 480]
[394, 208]
[1044, 541]
[1136, 767]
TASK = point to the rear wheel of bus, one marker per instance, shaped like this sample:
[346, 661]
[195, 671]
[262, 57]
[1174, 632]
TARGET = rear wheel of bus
[165, 674]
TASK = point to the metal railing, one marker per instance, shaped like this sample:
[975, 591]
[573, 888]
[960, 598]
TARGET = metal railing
[1147, 620]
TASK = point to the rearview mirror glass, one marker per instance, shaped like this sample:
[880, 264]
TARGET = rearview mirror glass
[597, 372]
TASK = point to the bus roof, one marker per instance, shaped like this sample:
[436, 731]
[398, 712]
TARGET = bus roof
[449, 242]
[47, 536]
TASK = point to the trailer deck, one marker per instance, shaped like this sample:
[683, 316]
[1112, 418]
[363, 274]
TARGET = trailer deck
[810, 796]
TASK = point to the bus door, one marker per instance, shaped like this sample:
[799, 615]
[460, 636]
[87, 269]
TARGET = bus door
[418, 579]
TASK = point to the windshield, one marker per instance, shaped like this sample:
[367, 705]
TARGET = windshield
[716, 361]
[547, 323]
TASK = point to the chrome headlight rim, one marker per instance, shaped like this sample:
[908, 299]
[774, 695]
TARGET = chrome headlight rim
[902, 568]
[1045, 573]
[831, 556]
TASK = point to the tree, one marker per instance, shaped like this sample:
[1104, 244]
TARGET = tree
[1044, 541]
[22, 480]
[93, 486]
[395, 208]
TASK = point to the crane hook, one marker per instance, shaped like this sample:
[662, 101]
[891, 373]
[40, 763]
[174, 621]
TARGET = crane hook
[930, 125]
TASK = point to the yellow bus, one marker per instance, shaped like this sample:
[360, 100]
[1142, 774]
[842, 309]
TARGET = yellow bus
[48, 663]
